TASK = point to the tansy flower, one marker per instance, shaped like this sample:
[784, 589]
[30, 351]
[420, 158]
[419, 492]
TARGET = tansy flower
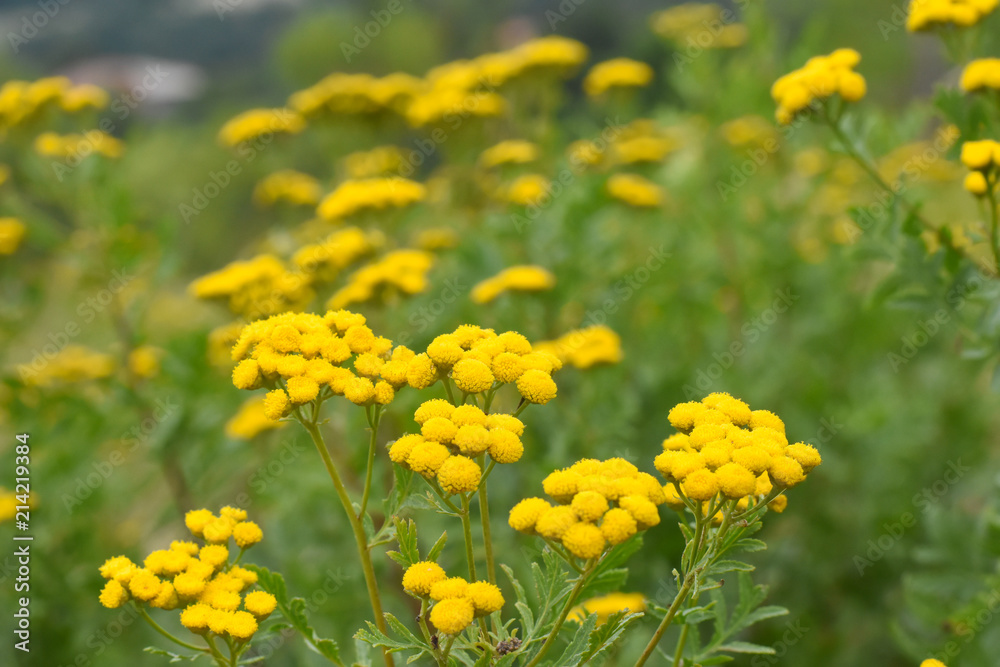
[288, 185]
[472, 376]
[820, 78]
[515, 278]
[459, 474]
[512, 151]
[246, 534]
[524, 515]
[484, 596]
[256, 122]
[930, 14]
[536, 387]
[195, 617]
[584, 540]
[583, 348]
[354, 196]
[144, 585]
[453, 587]
[12, 231]
[276, 404]
[113, 595]
[504, 446]
[452, 615]
[635, 190]
[606, 605]
[420, 576]
[241, 626]
[616, 73]
[618, 525]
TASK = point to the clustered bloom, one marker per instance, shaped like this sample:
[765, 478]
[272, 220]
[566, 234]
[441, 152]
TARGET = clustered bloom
[355, 196]
[287, 185]
[404, 270]
[50, 144]
[512, 151]
[73, 363]
[199, 580]
[635, 190]
[583, 348]
[23, 101]
[726, 451]
[598, 504]
[299, 356]
[526, 190]
[930, 14]
[525, 278]
[323, 261]
[251, 420]
[255, 123]
[641, 141]
[377, 162]
[688, 20]
[983, 159]
[981, 74]
[819, 79]
[12, 231]
[606, 605]
[256, 287]
[617, 73]
[456, 601]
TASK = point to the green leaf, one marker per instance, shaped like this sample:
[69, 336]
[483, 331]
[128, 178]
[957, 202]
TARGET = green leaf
[747, 612]
[578, 645]
[723, 566]
[438, 547]
[174, 657]
[749, 545]
[403, 631]
[606, 634]
[746, 647]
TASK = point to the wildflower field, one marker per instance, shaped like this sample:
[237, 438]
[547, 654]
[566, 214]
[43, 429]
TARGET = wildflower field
[527, 349]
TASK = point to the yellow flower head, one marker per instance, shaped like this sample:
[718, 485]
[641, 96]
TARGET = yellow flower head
[618, 525]
[453, 587]
[635, 191]
[484, 596]
[246, 534]
[259, 122]
[459, 474]
[515, 278]
[113, 595]
[584, 540]
[12, 231]
[452, 615]
[420, 577]
[512, 151]
[820, 78]
[536, 386]
[931, 14]
[981, 74]
[617, 73]
[260, 604]
[525, 514]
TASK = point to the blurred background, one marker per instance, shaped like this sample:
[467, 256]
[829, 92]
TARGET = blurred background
[883, 557]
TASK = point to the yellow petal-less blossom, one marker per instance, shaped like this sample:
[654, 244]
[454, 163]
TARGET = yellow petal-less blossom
[260, 604]
[524, 515]
[616, 73]
[820, 78]
[688, 21]
[459, 474]
[485, 597]
[504, 446]
[512, 151]
[354, 196]
[472, 376]
[931, 662]
[259, 122]
[12, 232]
[554, 522]
[526, 190]
[144, 585]
[587, 347]
[516, 278]
[287, 185]
[452, 615]
[618, 525]
[50, 144]
[584, 540]
[241, 626]
[452, 587]
[246, 534]
[589, 505]
[196, 520]
[635, 190]
[421, 576]
[931, 14]
[250, 420]
[536, 386]
[113, 595]
[607, 605]
[981, 74]
[276, 404]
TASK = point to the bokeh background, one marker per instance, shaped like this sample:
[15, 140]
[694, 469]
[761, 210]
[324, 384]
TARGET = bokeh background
[886, 554]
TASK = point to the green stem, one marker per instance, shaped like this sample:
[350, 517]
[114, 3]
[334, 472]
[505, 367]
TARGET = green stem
[373, 421]
[680, 645]
[570, 601]
[447, 388]
[994, 223]
[219, 658]
[467, 531]
[156, 626]
[484, 515]
[359, 532]
[668, 619]
[521, 408]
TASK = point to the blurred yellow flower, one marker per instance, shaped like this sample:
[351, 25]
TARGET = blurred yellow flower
[12, 233]
[353, 196]
[606, 605]
[259, 122]
[635, 190]
[929, 14]
[287, 185]
[617, 73]
[516, 278]
[512, 151]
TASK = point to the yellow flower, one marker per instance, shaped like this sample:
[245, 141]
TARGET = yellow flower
[806, 455]
[976, 183]
[506, 423]
[618, 525]
[484, 596]
[214, 555]
[379, 161]
[50, 144]
[512, 151]
[113, 595]
[260, 604]
[144, 585]
[241, 626]
[536, 387]
[553, 523]
[258, 122]
[421, 372]
[930, 662]
[472, 376]
[701, 484]
[526, 190]
[642, 510]
[617, 73]
[606, 605]
[589, 505]
[735, 481]
[584, 348]
[420, 576]
[980, 74]
[196, 520]
[195, 617]
[453, 587]
[525, 514]
[452, 615]
[635, 190]
[276, 404]
[504, 446]
[820, 78]
[459, 474]
[11, 233]
[246, 534]
[250, 420]
[785, 472]
[354, 196]
[289, 186]
[930, 14]
[767, 419]
[426, 458]
[516, 278]
[584, 540]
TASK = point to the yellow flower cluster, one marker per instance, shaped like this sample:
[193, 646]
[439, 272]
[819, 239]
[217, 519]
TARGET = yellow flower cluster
[747, 130]
[641, 141]
[526, 190]
[73, 363]
[456, 601]
[11, 233]
[452, 103]
[144, 361]
[635, 190]
[450, 437]
[198, 579]
[980, 74]
[983, 158]
[256, 123]
[299, 356]
[436, 238]
[324, 261]
[606, 605]
[289, 186]
[250, 420]
[379, 161]
[254, 288]
[727, 451]
[930, 14]
[931, 662]
[9, 503]
[687, 20]
[512, 151]
[583, 348]
[354, 196]
[21, 101]
[404, 270]
[598, 504]
[821, 77]
[526, 278]
[50, 144]
[341, 93]
[616, 73]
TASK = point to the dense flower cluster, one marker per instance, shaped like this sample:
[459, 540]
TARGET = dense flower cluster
[526, 190]
[379, 161]
[820, 78]
[324, 261]
[983, 159]
[641, 141]
[726, 451]
[598, 504]
[687, 20]
[354, 196]
[255, 123]
[197, 579]
[512, 151]
[250, 420]
[341, 93]
[617, 73]
[515, 278]
[404, 270]
[73, 363]
[12, 231]
[606, 605]
[929, 14]
[583, 348]
[299, 356]
[22, 101]
[456, 601]
[635, 190]
[287, 185]
[50, 144]
[256, 287]
[981, 74]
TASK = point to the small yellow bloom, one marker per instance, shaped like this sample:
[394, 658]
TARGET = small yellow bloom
[617, 73]
[12, 232]
[459, 474]
[452, 615]
[420, 577]
[113, 595]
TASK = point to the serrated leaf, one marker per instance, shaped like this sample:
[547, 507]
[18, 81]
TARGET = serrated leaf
[403, 631]
[438, 547]
[723, 566]
[174, 657]
[749, 545]
[578, 645]
[746, 647]
[605, 635]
